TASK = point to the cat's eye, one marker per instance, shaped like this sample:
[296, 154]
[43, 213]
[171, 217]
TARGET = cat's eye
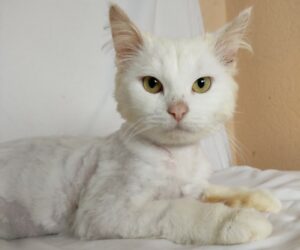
[202, 84]
[152, 85]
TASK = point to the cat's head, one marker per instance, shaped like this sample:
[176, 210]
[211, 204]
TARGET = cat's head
[175, 91]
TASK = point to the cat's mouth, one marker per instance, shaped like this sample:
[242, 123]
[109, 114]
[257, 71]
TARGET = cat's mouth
[179, 128]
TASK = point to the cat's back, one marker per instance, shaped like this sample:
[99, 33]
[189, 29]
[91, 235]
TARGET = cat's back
[40, 151]
[42, 157]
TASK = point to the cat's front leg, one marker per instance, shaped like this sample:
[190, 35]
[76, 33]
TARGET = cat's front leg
[191, 222]
[261, 200]
[185, 221]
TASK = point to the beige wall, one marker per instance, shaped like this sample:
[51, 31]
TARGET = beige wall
[267, 124]
[213, 13]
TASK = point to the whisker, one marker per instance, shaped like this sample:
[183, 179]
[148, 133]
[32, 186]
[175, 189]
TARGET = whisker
[238, 148]
[132, 126]
[140, 125]
[136, 132]
[143, 130]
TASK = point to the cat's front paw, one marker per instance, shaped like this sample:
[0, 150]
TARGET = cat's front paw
[261, 200]
[264, 201]
[243, 225]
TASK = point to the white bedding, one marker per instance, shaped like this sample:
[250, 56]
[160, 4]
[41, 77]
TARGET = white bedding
[286, 234]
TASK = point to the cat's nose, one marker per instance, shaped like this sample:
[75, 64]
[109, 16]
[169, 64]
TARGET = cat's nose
[178, 110]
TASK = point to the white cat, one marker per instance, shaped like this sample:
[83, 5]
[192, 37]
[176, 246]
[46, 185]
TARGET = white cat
[145, 180]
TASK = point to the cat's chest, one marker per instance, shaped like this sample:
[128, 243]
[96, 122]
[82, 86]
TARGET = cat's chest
[167, 171]
[178, 170]
[180, 162]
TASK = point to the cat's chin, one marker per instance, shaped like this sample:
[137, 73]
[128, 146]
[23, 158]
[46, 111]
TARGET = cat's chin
[174, 137]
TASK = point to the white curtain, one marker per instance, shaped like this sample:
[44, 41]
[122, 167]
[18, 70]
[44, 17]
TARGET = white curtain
[57, 79]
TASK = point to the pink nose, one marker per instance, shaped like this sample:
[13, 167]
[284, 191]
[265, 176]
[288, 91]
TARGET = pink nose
[178, 110]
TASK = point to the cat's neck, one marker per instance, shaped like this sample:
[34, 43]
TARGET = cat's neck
[143, 147]
[128, 134]
[180, 160]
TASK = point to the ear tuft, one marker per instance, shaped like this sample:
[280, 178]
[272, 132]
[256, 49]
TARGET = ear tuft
[230, 38]
[126, 37]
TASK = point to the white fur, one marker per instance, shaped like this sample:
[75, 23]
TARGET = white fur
[146, 179]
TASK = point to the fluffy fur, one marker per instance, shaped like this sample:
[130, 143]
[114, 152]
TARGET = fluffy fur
[145, 180]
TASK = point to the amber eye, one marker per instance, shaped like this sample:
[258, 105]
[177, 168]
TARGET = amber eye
[202, 84]
[152, 85]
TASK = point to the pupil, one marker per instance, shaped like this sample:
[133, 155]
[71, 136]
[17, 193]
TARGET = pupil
[201, 83]
[152, 83]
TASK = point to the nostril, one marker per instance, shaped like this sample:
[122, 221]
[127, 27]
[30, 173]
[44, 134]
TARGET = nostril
[174, 114]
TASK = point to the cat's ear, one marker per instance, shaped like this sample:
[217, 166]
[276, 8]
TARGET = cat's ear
[127, 39]
[230, 38]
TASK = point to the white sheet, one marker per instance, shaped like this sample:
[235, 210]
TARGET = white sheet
[286, 234]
